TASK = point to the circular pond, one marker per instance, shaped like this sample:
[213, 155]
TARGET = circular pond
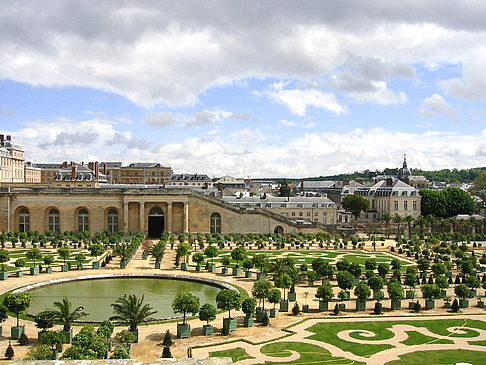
[97, 294]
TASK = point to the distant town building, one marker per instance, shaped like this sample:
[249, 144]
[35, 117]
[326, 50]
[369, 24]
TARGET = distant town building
[191, 180]
[11, 161]
[112, 171]
[79, 176]
[32, 175]
[146, 173]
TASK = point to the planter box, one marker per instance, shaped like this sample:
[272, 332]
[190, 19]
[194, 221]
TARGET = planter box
[360, 305]
[95, 265]
[60, 347]
[480, 304]
[224, 270]
[430, 304]
[248, 322]
[55, 354]
[284, 306]
[34, 271]
[64, 268]
[463, 303]
[410, 294]
[3, 275]
[208, 330]
[411, 305]
[19, 274]
[260, 312]
[123, 265]
[305, 308]
[443, 293]
[447, 305]
[48, 270]
[157, 264]
[16, 332]
[198, 268]
[80, 267]
[183, 330]
[342, 307]
[135, 332]
[292, 296]
[184, 266]
[68, 336]
[211, 267]
[472, 293]
[311, 283]
[323, 306]
[261, 276]
[236, 271]
[229, 325]
[396, 304]
[273, 313]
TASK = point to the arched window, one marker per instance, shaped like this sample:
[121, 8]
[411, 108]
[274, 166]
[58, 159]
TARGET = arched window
[113, 220]
[278, 230]
[156, 211]
[53, 218]
[83, 220]
[215, 223]
[24, 220]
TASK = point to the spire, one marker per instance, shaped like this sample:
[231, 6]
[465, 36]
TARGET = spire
[405, 161]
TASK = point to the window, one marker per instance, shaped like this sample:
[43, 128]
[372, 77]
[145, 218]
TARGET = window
[113, 220]
[300, 214]
[215, 223]
[414, 204]
[308, 214]
[53, 220]
[24, 220]
[396, 204]
[83, 220]
[293, 214]
[405, 205]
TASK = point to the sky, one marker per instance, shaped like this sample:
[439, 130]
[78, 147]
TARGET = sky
[247, 88]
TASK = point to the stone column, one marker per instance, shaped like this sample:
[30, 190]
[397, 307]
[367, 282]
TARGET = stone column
[125, 216]
[169, 217]
[186, 217]
[141, 223]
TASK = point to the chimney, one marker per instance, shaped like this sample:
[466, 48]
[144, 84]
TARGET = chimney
[2, 138]
[206, 185]
[91, 166]
[9, 137]
[389, 181]
[345, 182]
[97, 170]
[220, 189]
[105, 169]
[73, 171]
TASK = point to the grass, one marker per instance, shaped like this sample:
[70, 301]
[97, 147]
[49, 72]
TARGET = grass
[236, 354]
[443, 357]
[417, 338]
[309, 354]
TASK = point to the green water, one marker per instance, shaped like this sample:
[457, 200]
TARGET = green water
[97, 295]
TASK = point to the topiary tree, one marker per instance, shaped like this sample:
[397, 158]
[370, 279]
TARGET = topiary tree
[462, 291]
[166, 354]
[4, 257]
[207, 313]
[430, 291]
[260, 290]
[168, 338]
[9, 352]
[34, 254]
[228, 299]
[362, 291]
[238, 254]
[296, 309]
[64, 253]
[248, 306]
[274, 296]
[185, 302]
[17, 303]
[325, 292]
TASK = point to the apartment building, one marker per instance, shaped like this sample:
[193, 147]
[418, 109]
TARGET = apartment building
[145, 173]
[11, 161]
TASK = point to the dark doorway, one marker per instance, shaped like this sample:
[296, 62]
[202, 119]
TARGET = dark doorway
[155, 226]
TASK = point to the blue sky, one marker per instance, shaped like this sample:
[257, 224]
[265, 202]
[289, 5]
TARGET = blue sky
[271, 88]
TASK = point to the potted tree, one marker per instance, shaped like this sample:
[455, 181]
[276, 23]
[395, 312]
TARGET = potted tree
[247, 266]
[43, 322]
[462, 291]
[305, 307]
[65, 315]
[261, 261]
[225, 261]
[157, 251]
[227, 300]
[274, 297]
[3, 316]
[185, 302]
[345, 282]
[64, 253]
[395, 292]
[378, 296]
[325, 294]
[20, 263]
[296, 278]
[284, 282]
[4, 257]
[260, 291]
[55, 339]
[472, 283]
[198, 258]
[132, 311]
[207, 313]
[183, 249]
[238, 254]
[362, 292]
[248, 307]
[17, 303]
[375, 282]
[48, 260]
[442, 282]
[211, 252]
[96, 250]
[34, 254]
[80, 257]
[430, 292]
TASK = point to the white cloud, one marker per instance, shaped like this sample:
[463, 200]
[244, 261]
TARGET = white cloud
[436, 104]
[287, 123]
[380, 94]
[197, 119]
[298, 100]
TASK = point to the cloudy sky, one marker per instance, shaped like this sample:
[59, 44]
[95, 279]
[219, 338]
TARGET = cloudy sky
[247, 88]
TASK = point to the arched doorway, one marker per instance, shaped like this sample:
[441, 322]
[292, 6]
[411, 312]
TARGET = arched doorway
[155, 222]
[278, 230]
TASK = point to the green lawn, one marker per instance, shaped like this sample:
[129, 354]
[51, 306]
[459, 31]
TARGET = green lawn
[443, 357]
[236, 354]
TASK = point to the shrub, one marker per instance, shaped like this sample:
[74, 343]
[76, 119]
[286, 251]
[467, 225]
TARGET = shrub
[378, 308]
[9, 352]
[295, 309]
[23, 340]
[41, 352]
[120, 352]
[167, 339]
[166, 354]
[336, 309]
[418, 307]
[455, 306]
[265, 319]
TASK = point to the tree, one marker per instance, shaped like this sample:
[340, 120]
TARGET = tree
[478, 187]
[439, 269]
[285, 189]
[48, 260]
[183, 249]
[52, 338]
[64, 314]
[43, 321]
[423, 264]
[248, 306]
[210, 252]
[168, 337]
[261, 289]
[355, 269]
[64, 253]
[185, 302]
[34, 254]
[387, 218]
[166, 353]
[430, 291]
[446, 203]
[296, 309]
[296, 277]
[41, 352]
[383, 269]
[228, 299]
[355, 204]
[362, 291]
[96, 250]
[207, 313]
[120, 352]
[9, 352]
[79, 258]
[455, 306]
[411, 280]
[132, 311]
[17, 303]
[398, 220]
[409, 220]
[395, 290]
[238, 254]
[4, 257]
[283, 282]
[261, 261]
[274, 296]
[370, 264]
[325, 292]
[462, 291]
[345, 280]
[376, 283]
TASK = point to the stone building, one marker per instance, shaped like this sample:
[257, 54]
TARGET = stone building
[32, 175]
[146, 173]
[152, 210]
[11, 161]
